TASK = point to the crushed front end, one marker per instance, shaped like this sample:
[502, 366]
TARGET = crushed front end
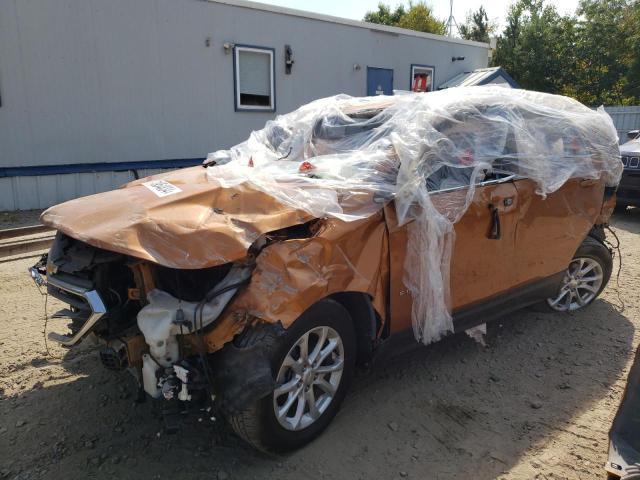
[148, 319]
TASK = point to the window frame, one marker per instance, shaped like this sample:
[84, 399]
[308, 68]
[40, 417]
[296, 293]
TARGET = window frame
[418, 65]
[236, 78]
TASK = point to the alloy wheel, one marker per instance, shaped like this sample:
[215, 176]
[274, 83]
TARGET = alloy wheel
[308, 378]
[580, 285]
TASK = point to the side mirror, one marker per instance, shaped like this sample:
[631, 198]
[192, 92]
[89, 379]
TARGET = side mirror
[633, 134]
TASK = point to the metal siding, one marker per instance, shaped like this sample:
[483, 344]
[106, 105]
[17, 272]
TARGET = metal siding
[27, 193]
[120, 178]
[85, 184]
[7, 193]
[625, 119]
[94, 81]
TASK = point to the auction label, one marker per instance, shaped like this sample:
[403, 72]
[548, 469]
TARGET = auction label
[161, 188]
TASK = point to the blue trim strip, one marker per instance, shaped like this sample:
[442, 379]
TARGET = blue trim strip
[97, 167]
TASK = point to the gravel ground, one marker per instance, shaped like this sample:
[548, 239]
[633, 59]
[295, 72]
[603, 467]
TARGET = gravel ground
[537, 402]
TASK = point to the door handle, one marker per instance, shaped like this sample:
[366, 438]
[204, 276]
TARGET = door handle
[588, 182]
[494, 230]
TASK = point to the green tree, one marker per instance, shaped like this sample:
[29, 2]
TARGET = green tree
[607, 51]
[536, 46]
[632, 22]
[385, 15]
[477, 26]
[419, 16]
[593, 56]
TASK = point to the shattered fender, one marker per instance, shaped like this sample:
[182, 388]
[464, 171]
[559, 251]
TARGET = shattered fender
[292, 275]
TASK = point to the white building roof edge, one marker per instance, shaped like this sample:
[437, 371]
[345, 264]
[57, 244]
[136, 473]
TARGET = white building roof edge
[345, 21]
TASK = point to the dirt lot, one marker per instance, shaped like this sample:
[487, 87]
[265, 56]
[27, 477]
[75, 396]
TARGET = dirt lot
[537, 402]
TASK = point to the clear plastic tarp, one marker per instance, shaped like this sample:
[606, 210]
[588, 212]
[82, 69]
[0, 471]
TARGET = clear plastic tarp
[346, 157]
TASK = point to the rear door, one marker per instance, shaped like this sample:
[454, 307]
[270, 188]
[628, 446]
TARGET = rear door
[379, 81]
[551, 229]
[481, 265]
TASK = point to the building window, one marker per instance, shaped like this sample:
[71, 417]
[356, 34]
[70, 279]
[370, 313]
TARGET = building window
[421, 78]
[254, 77]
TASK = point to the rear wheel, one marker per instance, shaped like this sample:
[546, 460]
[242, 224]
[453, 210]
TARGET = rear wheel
[586, 276]
[312, 366]
[620, 208]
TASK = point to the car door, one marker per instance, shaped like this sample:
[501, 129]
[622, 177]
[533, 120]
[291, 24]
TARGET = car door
[550, 229]
[481, 261]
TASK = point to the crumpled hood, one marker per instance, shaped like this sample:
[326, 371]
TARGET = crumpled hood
[201, 225]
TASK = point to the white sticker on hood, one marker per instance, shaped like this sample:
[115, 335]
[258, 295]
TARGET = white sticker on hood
[161, 188]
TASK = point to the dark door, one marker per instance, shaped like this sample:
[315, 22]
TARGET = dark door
[379, 81]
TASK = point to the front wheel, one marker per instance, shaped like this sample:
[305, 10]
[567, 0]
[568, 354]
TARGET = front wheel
[587, 275]
[312, 365]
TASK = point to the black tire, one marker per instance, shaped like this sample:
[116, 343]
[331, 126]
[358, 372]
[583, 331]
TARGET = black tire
[620, 208]
[258, 424]
[590, 248]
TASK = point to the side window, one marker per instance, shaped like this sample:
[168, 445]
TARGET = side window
[508, 162]
[421, 78]
[254, 78]
[472, 139]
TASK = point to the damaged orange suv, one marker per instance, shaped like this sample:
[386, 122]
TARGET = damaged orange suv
[255, 284]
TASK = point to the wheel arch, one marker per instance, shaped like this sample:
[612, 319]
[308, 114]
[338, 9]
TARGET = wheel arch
[366, 321]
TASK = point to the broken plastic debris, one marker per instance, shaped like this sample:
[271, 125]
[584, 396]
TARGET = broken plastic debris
[477, 333]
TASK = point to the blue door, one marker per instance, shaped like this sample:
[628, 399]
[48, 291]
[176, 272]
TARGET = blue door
[379, 81]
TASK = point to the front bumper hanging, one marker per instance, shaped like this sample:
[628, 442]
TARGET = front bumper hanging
[86, 301]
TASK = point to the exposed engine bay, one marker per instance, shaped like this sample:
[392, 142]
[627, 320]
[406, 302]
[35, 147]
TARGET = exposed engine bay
[148, 318]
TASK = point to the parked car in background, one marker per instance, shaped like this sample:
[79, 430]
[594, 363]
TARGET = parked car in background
[628, 193]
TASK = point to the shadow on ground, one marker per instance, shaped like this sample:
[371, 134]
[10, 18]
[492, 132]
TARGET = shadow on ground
[451, 410]
[629, 220]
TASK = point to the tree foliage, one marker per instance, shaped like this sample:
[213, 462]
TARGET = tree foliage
[419, 16]
[592, 55]
[385, 15]
[477, 26]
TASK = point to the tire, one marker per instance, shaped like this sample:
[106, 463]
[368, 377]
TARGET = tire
[259, 425]
[591, 251]
[620, 208]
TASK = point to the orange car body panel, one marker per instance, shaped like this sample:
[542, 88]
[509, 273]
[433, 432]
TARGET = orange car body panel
[292, 275]
[205, 225]
[539, 236]
[551, 229]
[202, 226]
[478, 269]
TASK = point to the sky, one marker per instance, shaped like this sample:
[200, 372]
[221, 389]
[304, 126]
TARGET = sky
[356, 9]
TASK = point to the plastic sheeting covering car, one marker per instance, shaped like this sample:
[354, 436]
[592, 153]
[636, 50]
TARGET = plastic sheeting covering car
[344, 157]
